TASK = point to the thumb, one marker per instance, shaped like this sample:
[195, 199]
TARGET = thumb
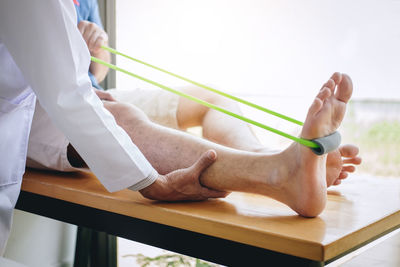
[205, 161]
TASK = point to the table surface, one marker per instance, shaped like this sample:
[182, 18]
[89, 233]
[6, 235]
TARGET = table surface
[359, 210]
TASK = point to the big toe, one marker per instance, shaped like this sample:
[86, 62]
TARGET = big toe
[344, 89]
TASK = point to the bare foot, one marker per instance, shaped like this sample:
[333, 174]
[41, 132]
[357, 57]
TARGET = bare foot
[304, 188]
[340, 163]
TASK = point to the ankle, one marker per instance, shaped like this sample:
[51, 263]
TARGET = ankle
[272, 181]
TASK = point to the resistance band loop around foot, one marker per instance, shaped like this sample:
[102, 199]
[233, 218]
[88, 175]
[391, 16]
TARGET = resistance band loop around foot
[302, 141]
[237, 99]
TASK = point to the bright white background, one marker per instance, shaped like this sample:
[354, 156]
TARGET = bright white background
[284, 48]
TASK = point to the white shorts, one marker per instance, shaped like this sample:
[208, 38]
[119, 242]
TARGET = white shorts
[47, 147]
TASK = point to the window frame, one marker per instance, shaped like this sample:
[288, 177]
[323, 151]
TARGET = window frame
[107, 9]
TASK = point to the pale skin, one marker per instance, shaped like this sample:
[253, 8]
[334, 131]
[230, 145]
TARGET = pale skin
[295, 176]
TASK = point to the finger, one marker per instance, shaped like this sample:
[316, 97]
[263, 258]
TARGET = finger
[87, 32]
[86, 35]
[98, 39]
[81, 26]
[98, 43]
[92, 40]
[205, 160]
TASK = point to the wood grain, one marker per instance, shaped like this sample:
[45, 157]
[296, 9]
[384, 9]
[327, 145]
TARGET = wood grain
[362, 208]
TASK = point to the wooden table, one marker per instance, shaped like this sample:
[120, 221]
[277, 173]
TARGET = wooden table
[243, 229]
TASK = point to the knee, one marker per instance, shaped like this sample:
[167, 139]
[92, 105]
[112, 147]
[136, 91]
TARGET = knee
[126, 114]
[191, 114]
[217, 99]
[210, 97]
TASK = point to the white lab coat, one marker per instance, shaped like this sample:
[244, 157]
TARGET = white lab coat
[42, 50]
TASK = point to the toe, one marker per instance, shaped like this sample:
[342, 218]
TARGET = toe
[348, 151]
[355, 161]
[349, 168]
[343, 175]
[315, 106]
[344, 89]
[336, 77]
[329, 84]
[324, 94]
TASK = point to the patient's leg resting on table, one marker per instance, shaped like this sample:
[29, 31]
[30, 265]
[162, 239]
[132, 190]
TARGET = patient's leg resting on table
[234, 133]
[295, 176]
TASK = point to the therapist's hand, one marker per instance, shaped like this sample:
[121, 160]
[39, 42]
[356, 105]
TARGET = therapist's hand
[93, 35]
[184, 184]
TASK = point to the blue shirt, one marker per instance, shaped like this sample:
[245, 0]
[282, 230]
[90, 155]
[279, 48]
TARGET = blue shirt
[89, 10]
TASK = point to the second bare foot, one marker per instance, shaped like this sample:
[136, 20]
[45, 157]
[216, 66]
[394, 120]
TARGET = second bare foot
[340, 163]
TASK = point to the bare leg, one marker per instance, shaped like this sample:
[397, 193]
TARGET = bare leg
[296, 176]
[217, 127]
[233, 133]
[228, 131]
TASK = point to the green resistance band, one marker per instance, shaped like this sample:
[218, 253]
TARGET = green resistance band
[302, 141]
[237, 99]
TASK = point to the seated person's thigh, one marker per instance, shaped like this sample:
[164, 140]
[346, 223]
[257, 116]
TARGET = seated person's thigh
[47, 147]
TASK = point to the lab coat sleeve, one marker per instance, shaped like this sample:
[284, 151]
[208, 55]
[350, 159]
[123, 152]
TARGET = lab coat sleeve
[42, 37]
